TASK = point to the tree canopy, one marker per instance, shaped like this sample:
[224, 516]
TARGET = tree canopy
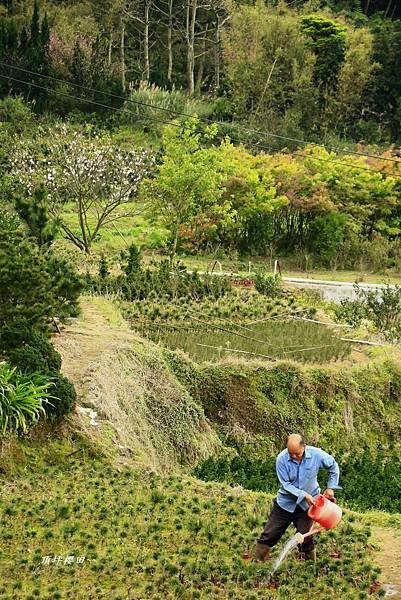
[299, 68]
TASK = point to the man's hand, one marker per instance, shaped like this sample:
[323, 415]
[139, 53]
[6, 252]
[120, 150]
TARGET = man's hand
[329, 494]
[310, 500]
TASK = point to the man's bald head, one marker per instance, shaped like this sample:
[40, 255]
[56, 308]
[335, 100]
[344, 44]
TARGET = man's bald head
[295, 446]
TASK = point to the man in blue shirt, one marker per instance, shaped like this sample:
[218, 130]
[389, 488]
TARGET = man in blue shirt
[297, 467]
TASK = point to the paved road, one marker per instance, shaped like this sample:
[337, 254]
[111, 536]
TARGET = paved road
[333, 290]
[328, 290]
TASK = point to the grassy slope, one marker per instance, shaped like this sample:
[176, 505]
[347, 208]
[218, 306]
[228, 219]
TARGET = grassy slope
[335, 406]
[143, 535]
[146, 536]
[141, 405]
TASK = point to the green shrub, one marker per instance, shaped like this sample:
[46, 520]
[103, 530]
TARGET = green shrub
[349, 311]
[23, 399]
[131, 261]
[326, 236]
[66, 286]
[9, 224]
[368, 481]
[16, 332]
[15, 111]
[34, 213]
[158, 281]
[383, 311]
[25, 288]
[63, 396]
[103, 267]
[33, 353]
[37, 354]
[269, 285]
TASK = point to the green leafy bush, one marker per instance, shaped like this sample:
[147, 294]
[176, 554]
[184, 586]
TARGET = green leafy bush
[66, 286]
[326, 236]
[131, 261]
[327, 39]
[103, 267]
[372, 480]
[25, 291]
[136, 283]
[382, 310]
[37, 354]
[368, 481]
[34, 212]
[9, 224]
[385, 310]
[349, 311]
[63, 395]
[22, 399]
[269, 285]
[33, 286]
[15, 111]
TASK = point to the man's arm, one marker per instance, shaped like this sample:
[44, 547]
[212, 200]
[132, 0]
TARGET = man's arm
[328, 462]
[282, 475]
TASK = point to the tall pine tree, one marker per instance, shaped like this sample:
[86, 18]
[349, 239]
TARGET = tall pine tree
[35, 26]
[37, 57]
[34, 212]
[45, 40]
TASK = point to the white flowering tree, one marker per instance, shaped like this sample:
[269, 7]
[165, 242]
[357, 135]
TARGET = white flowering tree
[100, 179]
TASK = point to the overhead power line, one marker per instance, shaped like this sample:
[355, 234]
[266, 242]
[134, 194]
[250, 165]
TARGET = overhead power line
[205, 119]
[87, 100]
[277, 136]
[174, 124]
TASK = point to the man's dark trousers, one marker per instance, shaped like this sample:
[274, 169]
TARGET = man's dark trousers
[278, 522]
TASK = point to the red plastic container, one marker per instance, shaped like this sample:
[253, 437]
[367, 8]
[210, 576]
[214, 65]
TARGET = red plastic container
[326, 512]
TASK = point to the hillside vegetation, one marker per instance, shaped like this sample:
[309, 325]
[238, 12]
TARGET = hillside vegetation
[160, 400]
[143, 402]
[143, 533]
[263, 129]
[143, 536]
[142, 407]
[331, 66]
[335, 406]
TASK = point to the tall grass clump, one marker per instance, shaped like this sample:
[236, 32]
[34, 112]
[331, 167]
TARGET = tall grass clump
[22, 399]
[155, 102]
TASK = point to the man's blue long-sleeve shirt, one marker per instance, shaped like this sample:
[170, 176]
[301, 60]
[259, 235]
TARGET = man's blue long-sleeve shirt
[298, 479]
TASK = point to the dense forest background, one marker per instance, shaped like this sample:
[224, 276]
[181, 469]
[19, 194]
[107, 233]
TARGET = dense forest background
[320, 70]
[265, 128]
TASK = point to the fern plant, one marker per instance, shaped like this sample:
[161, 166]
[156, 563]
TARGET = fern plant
[22, 399]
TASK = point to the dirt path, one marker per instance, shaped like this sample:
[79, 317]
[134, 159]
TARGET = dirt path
[84, 341]
[388, 558]
[86, 346]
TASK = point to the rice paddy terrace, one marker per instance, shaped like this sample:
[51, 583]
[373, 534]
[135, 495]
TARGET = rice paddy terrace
[243, 324]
